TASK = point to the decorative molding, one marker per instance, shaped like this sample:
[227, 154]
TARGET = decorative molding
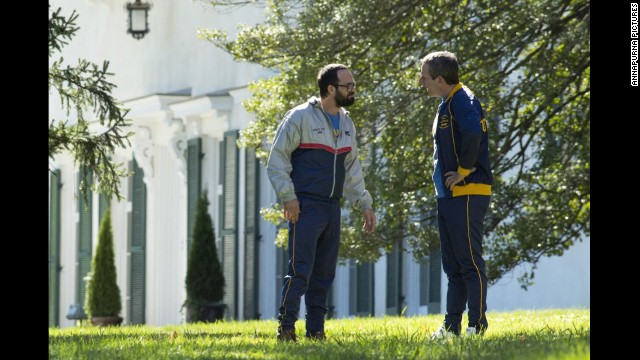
[143, 152]
[193, 127]
[178, 144]
[151, 105]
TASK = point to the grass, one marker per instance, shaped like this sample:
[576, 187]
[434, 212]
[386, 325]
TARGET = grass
[544, 334]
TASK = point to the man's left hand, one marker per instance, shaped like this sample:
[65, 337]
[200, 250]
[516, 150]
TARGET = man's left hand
[454, 177]
[369, 221]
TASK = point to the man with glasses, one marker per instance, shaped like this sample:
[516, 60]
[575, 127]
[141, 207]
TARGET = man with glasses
[463, 179]
[312, 163]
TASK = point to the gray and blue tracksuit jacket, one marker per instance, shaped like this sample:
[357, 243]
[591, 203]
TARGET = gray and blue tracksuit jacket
[308, 159]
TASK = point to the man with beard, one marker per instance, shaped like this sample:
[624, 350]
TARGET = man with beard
[314, 159]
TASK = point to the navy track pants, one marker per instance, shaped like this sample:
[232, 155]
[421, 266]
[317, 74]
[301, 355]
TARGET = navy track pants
[460, 223]
[313, 254]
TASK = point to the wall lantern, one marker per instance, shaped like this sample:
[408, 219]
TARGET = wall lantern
[138, 15]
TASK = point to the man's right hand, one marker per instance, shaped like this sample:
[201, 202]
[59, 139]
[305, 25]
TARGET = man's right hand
[292, 210]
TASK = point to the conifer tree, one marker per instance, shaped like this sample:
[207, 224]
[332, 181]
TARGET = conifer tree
[95, 123]
[205, 280]
[103, 293]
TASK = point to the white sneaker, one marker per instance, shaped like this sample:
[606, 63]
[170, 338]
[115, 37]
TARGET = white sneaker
[442, 333]
[471, 331]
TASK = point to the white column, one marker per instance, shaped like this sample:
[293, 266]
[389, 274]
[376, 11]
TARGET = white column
[411, 283]
[341, 291]
[268, 297]
[68, 238]
[241, 232]
[380, 287]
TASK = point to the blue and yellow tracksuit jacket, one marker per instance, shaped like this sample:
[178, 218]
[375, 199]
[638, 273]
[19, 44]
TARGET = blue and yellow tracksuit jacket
[461, 143]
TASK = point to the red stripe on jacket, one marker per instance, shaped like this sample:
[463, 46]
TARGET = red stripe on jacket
[326, 147]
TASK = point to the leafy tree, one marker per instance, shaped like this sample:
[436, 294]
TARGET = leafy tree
[205, 280]
[84, 88]
[529, 63]
[103, 293]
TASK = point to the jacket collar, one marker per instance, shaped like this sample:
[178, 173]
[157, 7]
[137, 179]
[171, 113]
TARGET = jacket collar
[316, 102]
[453, 91]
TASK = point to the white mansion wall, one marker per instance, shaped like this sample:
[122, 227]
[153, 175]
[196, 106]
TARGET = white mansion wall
[170, 57]
[560, 282]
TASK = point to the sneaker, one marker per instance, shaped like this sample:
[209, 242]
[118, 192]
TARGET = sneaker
[287, 335]
[442, 333]
[318, 335]
[476, 330]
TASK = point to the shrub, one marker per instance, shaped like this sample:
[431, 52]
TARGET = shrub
[205, 280]
[103, 294]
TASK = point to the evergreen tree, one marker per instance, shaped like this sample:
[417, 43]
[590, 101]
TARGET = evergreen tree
[103, 294]
[84, 88]
[205, 280]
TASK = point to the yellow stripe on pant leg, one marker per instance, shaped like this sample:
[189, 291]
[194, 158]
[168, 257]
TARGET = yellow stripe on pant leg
[293, 257]
[471, 252]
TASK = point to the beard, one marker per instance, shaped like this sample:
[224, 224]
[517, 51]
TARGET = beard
[343, 101]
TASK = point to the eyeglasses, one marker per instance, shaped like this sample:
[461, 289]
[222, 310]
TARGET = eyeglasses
[349, 86]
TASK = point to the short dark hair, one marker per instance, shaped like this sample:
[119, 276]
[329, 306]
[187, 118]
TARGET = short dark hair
[443, 63]
[328, 75]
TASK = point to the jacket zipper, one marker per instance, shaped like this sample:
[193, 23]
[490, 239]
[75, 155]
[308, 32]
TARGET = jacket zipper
[453, 140]
[335, 150]
[335, 158]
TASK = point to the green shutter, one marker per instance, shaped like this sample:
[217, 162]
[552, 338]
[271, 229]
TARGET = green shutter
[353, 286]
[331, 308]
[394, 266]
[435, 276]
[360, 288]
[84, 239]
[137, 245]
[364, 280]
[230, 221]
[251, 235]
[194, 183]
[54, 248]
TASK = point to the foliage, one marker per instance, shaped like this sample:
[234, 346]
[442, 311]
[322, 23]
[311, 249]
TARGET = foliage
[205, 280]
[84, 88]
[275, 215]
[103, 293]
[545, 334]
[529, 63]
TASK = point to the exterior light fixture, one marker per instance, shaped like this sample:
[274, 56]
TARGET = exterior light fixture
[138, 16]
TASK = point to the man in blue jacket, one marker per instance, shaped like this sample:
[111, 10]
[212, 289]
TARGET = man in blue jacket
[313, 161]
[462, 178]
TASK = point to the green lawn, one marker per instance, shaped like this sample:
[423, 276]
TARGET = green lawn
[545, 334]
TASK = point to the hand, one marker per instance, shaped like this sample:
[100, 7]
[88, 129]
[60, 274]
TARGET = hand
[292, 210]
[454, 177]
[369, 221]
